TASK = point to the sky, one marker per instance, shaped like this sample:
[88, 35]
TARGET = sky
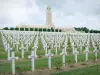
[65, 13]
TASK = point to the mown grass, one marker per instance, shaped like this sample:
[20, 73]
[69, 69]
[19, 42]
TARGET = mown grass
[25, 65]
[93, 70]
[40, 53]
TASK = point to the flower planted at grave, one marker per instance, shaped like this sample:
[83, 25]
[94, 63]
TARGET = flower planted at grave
[19, 70]
[57, 65]
[39, 55]
[69, 62]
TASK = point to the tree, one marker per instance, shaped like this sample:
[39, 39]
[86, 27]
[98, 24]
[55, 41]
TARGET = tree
[26, 29]
[52, 29]
[48, 30]
[40, 29]
[60, 30]
[6, 28]
[36, 29]
[11, 28]
[56, 30]
[91, 31]
[31, 29]
[44, 29]
[16, 28]
[86, 29]
[22, 29]
[82, 29]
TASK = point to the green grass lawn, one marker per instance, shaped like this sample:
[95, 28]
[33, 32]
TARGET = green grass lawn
[40, 53]
[93, 70]
[40, 63]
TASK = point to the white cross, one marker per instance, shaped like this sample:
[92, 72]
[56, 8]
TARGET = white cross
[75, 53]
[52, 42]
[14, 43]
[46, 47]
[49, 58]
[73, 46]
[32, 57]
[9, 49]
[80, 47]
[93, 44]
[95, 52]
[65, 46]
[64, 53]
[35, 49]
[27, 45]
[22, 48]
[13, 58]
[87, 45]
[59, 44]
[5, 46]
[56, 48]
[86, 53]
[17, 45]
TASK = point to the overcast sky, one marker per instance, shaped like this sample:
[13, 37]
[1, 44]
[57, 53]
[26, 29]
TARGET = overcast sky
[75, 13]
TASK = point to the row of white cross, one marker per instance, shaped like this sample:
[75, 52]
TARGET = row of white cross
[49, 40]
[64, 53]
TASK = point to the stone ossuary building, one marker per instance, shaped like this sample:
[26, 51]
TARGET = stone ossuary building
[48, 24]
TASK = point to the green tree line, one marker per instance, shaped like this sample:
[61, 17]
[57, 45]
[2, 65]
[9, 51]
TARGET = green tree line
[34, 29]
[86, 30]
